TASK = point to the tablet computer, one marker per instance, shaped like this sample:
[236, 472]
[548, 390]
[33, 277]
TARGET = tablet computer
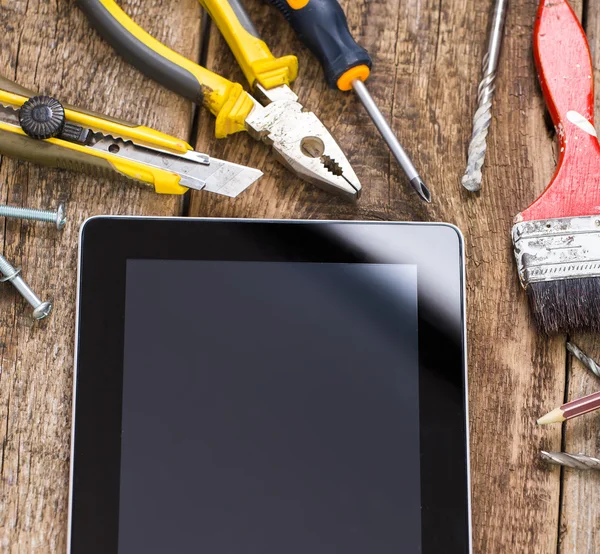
[269, 387]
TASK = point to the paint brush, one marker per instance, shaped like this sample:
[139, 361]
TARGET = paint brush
[557, 239]
[572, 409]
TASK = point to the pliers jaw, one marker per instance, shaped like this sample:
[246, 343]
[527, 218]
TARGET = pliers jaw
[302, 143]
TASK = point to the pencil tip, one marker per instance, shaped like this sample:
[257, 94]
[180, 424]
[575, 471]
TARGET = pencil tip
[555, 416]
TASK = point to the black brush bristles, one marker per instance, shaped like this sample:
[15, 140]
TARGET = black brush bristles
[566, 305]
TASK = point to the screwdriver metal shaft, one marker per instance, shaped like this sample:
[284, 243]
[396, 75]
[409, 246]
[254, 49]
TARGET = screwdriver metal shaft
[323, 28]
[390, 138]
[575, 461]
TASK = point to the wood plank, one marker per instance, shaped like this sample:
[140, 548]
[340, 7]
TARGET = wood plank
[49, 47]
[427, 57]
[580, 510]
[580, 514]
[514, 371]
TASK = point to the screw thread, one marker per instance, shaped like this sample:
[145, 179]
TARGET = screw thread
[5, 267]
[28, 213]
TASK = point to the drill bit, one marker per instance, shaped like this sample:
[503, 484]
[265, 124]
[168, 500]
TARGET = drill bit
[483, 116]
[584, 358]
[575, 461]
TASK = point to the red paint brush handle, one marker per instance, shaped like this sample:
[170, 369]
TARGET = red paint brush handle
[564, 65]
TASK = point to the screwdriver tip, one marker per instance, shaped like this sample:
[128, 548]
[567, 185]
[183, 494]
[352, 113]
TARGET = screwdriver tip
[421, 189]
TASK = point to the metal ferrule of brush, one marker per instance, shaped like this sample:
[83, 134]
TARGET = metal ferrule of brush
[557, 249]
[559, 265]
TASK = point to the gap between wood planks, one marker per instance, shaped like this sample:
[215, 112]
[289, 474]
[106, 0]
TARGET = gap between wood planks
[563, 446]
[576, 523]
[585, 6]
[205, 28]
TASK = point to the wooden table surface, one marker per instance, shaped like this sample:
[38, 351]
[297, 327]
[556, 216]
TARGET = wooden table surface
[427, 56]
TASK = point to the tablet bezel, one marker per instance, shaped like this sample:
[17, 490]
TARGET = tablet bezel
[107, 242]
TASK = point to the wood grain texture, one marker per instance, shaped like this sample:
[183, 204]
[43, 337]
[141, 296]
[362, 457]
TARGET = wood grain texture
[580, 508]
[513, 371]
[427, 57]
[580, 514]
[49, 47]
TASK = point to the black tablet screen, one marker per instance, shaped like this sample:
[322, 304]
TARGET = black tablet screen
[270, 408]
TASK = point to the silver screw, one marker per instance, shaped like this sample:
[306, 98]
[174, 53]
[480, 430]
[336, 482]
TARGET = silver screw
[57, 217]
[40, 309]
[483, 116]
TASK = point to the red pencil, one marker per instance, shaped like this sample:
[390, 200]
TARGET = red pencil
[572, 409]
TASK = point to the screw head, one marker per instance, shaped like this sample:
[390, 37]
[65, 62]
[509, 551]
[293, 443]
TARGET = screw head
[61, 218]
[43, 310]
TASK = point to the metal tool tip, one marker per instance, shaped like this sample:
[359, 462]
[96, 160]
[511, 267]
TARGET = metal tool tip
[471, 183]
[231, 179]
[421, 189]
[61, 218]
[554, 458]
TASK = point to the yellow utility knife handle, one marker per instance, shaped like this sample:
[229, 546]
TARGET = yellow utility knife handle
[60, 153]
[256, 60]
[225, 99]
[56, 152]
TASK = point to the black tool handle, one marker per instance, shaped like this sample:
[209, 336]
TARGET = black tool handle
[142, 51]
[323, 28]
[244, 17]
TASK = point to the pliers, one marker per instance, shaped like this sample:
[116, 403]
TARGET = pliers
[271, 114]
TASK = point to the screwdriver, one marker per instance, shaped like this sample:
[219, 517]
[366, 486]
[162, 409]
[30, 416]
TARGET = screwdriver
[322, 26]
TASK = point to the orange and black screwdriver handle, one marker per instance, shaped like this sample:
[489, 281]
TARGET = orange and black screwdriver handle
[322, 26]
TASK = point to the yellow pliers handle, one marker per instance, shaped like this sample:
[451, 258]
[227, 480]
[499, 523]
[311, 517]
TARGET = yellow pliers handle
[225, 99]
[256, 60]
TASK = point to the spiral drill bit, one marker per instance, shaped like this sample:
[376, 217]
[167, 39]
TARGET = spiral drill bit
[584, 358]
[575, 461]
[483, 116]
